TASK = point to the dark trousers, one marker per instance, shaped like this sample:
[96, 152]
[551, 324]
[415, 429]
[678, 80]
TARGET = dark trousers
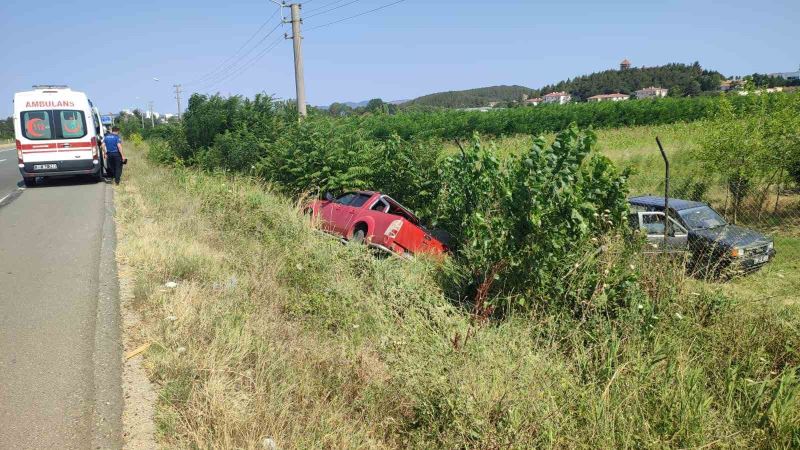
[114, 165]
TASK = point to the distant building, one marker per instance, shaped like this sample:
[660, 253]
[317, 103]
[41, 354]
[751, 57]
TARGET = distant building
[608, 97]
[652, 92]
[557, 97]
[625, 64]
[533, 101]
[787, 75]
[727, 85]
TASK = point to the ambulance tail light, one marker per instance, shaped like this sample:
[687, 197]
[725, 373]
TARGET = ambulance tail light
[94, 148]
[19, 153]
[394, 228]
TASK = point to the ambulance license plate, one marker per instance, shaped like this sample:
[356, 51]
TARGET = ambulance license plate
[45, 166]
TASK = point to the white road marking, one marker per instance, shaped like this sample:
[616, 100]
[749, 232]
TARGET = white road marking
[6, 149]
[3, 160]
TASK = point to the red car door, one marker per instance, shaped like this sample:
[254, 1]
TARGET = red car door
[333, 214]
[349, 212]
[338, 215]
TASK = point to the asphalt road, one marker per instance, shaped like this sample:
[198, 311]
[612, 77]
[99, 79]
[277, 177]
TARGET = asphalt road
[60, 351]
[9, 173]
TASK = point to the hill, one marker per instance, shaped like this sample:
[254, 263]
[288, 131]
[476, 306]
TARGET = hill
[472, 97]
[681, 80]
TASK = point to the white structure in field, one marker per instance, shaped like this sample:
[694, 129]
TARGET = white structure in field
[557, 97]
[652, 92]
[608, 97]
[533, 101]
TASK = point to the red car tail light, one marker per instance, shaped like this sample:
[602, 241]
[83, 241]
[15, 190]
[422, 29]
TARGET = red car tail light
[394, 228]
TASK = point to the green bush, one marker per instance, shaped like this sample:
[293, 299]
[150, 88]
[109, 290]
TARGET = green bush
[520, 220]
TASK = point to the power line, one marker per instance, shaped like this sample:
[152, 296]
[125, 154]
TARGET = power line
[330, 9]
[322, 6]
[230, 58]
[232, 67]
[354, 16]
[247, 66]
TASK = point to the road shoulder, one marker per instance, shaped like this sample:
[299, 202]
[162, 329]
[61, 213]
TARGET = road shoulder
[107, 414]
[138, 415]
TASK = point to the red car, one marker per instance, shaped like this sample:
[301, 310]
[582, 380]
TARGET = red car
[378, 220]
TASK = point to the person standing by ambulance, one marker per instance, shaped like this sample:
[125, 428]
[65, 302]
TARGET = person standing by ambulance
[113, 144]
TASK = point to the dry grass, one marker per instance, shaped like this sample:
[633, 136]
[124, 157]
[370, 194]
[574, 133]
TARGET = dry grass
[274, 331]
[232, 371]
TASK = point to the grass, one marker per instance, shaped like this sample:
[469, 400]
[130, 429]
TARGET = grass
[275, 331]
[778, 281]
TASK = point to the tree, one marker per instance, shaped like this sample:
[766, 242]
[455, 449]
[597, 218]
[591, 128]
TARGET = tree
[693, 88]
[752, 151]
[7, 128]
[519, 219]
[375, 105]
[339, 109]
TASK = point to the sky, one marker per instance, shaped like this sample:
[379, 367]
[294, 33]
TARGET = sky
[113, 50]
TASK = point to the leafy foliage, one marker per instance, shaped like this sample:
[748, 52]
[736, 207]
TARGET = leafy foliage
[319, 155]
[755, 149]
[519, 220]
[7, 128]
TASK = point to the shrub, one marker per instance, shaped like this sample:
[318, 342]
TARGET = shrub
[519, 220]
[161, 152]
[319, 155]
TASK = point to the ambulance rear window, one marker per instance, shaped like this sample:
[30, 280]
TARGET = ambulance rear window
[53, 124]
[72, 125]
[36, 125]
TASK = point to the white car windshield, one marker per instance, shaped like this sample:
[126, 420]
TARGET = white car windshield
[701, 218]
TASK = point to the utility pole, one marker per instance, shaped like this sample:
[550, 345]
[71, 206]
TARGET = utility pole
[152, 117]
[298, 59]
[178, 98]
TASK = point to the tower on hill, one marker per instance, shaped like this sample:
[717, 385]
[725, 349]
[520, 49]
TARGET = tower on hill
[625, 64]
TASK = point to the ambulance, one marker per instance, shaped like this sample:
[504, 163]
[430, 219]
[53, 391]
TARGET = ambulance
[58, 133]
